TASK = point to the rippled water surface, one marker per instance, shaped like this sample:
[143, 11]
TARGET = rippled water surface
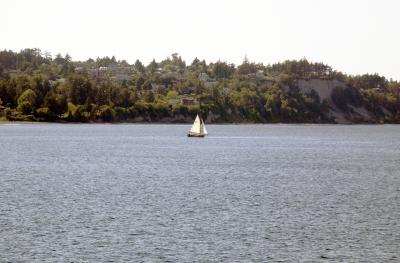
[249, 193]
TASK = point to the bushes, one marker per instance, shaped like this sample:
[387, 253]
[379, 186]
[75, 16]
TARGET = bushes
[56, 103]
[47, 91]
[91, 112]
[45, 114]
[160, 110]
[342, 97]
[27, 101]
[80, 114]
[179, 109]
[105, 113]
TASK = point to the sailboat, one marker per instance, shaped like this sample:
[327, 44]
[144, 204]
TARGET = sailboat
[198, 129]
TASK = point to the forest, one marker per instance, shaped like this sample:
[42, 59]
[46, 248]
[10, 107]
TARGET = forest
[35, 86]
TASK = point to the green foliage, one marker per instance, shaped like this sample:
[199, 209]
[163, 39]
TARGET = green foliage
[222, 70]
[152, 67]
[302, 68]
[172, 94]
[105, 113]
[149, 96]
[342, 97]
[26, 102]
[368, 81]
[71, 110]
[56, 103]
[45, 114]
[81, 114]
[35, 86]
[246, 67]
[79, 89]
[139, 66]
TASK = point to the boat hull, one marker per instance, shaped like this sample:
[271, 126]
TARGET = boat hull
[196, 135]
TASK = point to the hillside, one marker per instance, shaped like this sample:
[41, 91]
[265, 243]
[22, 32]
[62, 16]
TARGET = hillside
[35, 86]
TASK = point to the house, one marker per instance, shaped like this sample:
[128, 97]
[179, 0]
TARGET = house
[189, 101]
[121, 77]
[204, 77]
[260, 74]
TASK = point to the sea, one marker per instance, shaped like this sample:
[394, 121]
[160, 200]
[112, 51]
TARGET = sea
[244, 193]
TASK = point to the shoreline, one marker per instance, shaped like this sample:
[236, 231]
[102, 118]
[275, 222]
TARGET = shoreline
[2, 122]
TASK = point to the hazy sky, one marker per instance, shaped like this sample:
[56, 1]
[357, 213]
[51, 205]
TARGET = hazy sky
[354, 36]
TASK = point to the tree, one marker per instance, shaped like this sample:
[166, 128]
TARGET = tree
[195, 64]
[172, 94]
[106, 113]
[342, 97]
[80, 114]
[149, 96]
[59, 59]
[27, 101]
[31, 82]
[152, 67]
[222, 70]
[246, 67]
[177, 61]
[139, 66]
[79, 89]
[56, 103]
[41, 87]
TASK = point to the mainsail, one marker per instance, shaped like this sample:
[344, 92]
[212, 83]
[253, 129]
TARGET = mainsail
[196, 127]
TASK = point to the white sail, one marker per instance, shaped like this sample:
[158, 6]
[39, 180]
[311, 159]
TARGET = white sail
[204, 127]
[196, 128]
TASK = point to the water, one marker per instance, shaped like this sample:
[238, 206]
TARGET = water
[250, 193]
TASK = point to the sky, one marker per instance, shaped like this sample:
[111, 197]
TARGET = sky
[353, 36]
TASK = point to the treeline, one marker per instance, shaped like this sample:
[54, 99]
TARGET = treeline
[37, 87]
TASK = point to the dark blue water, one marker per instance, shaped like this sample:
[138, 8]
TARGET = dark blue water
[250, 193]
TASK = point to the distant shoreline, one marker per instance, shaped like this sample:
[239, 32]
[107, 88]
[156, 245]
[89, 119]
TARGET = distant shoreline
[172, 91]
[188, 123]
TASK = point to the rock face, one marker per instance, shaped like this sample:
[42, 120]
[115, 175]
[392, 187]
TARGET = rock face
[324, 89]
